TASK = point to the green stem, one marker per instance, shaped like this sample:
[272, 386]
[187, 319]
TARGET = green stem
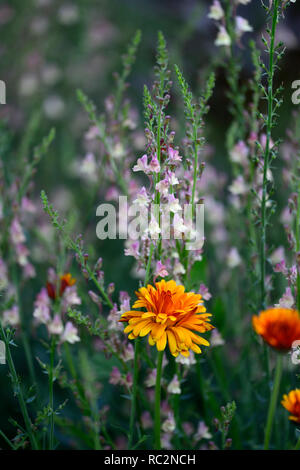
[273, 402]
[297, 446]
[157, 423]
[18, 390]
[134, 393]
[269, 125]
[271, 71]
[51, 401]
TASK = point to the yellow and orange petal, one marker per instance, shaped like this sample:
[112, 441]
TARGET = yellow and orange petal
[291, 402]
[171, 316]
[279, 327]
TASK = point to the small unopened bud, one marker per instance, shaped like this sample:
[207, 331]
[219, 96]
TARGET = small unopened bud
[85, 273]
[111, 288]
[228, 443]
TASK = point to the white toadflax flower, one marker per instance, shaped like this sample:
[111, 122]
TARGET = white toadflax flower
[11, 317]
[233, 258]
[174, 386]
[216, 11]
[169, 424]
[223, 38]
[242, 26]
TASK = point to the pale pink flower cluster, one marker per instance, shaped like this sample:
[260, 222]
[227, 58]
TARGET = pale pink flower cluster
[44, 312]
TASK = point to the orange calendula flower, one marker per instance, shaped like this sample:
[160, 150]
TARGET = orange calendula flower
[279, 327]
[291, 402]
[172, 315]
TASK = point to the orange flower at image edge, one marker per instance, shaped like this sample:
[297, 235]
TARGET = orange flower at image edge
[172, 315]
[279, 327]
[291, 402]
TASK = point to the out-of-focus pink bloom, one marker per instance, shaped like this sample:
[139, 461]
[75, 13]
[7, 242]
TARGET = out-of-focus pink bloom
[55, 327]
[142, 198]
[128, 353]
[22, 254]
[287, 300]
[115, 376]
[239, 153]
[154, 165]
[3, 275]
[188, 428]
[29, 271]
[113, 319]
[42, 307]
[127, 380]
[70, 297]
[163, 187]
[132, 249]
[173, 156]
[173, 204]
[124, 302]
[216, 339]
[146, 420]
[281, 268]
[277, 256]
[16, 232]
[202, 432]
[92, 133]
[11, 316]
[160, 270]
[112, 194]
[203, 290]
[166, 441]
[28, 206]
[233, 258]
[238, 187]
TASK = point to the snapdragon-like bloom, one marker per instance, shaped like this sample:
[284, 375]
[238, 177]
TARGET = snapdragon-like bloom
[11, 316]
[291, 402]
[242, 26]
[216, 11]
[279, 327]
[172, 316]
[223, 38]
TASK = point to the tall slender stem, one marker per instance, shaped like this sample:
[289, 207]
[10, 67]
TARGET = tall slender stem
[297, 446]
[134, 392]
[51, 401]
[267, 152]
[269, 125]
[18, 390]
[157, 423]
[273, 402]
